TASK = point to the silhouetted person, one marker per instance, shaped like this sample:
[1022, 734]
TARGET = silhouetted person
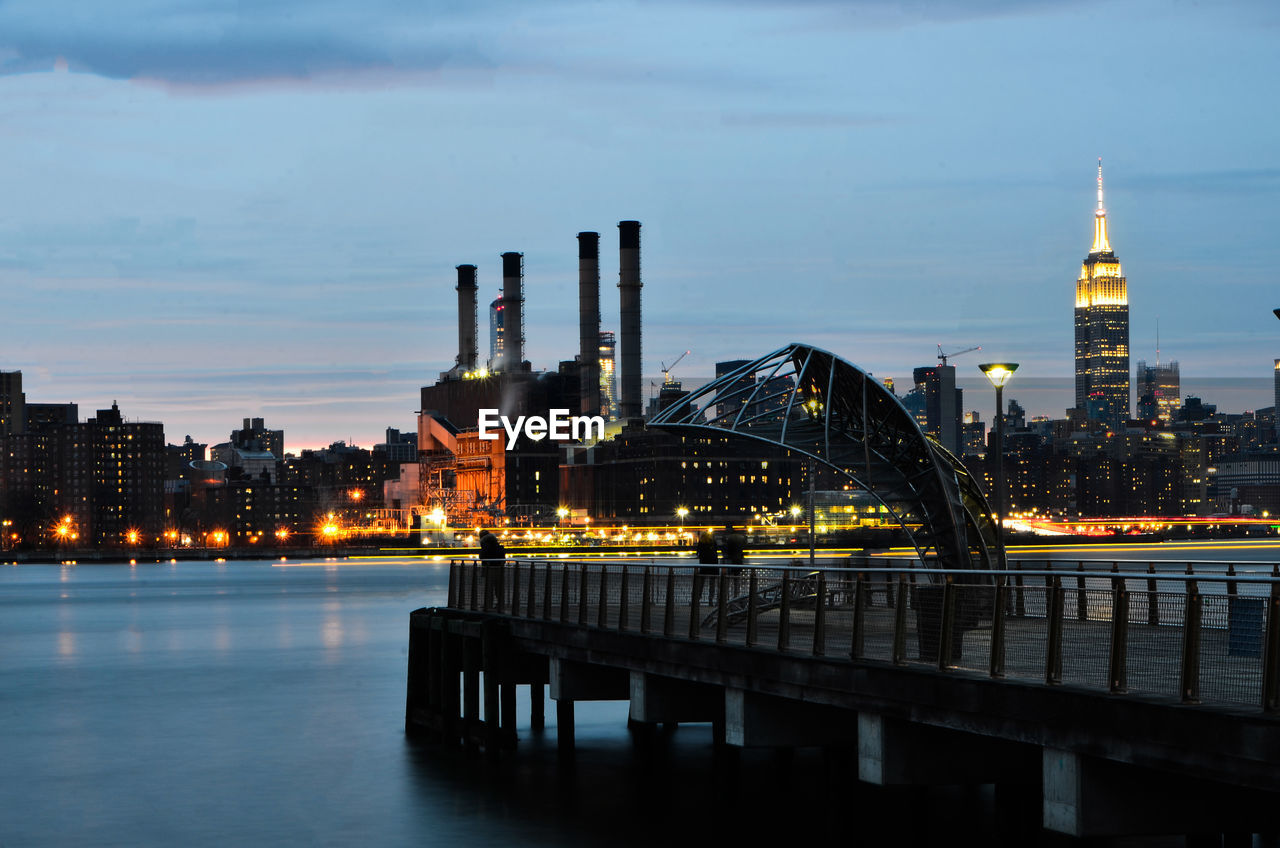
[708, 558]
[492, 557]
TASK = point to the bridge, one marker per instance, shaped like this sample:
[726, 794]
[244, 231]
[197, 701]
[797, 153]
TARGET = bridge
[1127, 700]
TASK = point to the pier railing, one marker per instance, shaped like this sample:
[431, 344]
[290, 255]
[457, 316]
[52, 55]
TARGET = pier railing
[1209, 637]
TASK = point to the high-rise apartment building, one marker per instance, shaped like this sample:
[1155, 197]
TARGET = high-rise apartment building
[942, 404]
[1102, 328]
[1159, 390]
[12, 403]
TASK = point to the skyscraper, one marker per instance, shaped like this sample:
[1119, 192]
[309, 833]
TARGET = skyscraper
[942, 403]
[1159, 390]
[1102, 328]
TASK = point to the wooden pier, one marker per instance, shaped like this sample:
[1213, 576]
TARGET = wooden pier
[1089, 684]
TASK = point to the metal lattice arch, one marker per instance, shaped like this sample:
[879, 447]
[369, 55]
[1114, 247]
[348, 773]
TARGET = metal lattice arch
[815, 404]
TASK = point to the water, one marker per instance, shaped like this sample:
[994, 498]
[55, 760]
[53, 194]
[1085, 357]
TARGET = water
[260, 703]
[255, 703]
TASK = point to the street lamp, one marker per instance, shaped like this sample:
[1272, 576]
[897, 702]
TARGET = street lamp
[999, 373]
[682, 512]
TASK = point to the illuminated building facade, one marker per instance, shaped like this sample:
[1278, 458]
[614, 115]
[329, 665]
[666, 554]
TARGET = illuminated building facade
[1102, 328]
[1159, 391]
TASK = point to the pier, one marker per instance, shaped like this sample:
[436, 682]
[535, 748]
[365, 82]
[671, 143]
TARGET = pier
[1116, 698]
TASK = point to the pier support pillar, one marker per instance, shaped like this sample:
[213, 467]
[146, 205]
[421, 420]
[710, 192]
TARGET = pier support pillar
[575, 681]
[564, 727]
[665, 699]
[537, 706]
[1090, 796]
[752, 720]
[894, 752]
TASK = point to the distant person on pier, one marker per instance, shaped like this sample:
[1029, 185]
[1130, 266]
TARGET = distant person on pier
[492, 557]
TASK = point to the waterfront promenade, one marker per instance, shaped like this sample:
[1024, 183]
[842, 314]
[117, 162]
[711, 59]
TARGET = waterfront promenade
[1086, 681]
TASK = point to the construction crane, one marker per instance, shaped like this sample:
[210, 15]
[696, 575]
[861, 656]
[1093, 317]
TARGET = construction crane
[943, 356]
[666, 369]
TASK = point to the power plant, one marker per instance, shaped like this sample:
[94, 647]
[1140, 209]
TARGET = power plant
[635, 474]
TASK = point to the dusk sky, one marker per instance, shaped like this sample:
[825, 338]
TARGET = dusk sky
[213, 210]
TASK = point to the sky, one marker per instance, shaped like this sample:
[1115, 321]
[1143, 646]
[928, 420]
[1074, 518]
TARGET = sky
[212, 209]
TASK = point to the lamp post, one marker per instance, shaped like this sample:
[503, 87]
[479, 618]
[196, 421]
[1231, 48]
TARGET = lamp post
[999, 373]
[681, 512]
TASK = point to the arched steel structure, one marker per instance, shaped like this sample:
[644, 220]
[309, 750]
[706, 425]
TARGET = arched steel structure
[813, 403]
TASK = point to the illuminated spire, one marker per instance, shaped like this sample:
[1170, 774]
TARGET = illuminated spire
[1100, 243]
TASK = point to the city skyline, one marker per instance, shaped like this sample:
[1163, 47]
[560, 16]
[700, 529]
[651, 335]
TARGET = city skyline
[261, 224]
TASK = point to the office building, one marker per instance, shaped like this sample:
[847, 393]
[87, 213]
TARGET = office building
[1102, 328]
[1159, 391]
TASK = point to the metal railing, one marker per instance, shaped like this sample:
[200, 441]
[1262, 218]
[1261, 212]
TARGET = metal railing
[1209, 637]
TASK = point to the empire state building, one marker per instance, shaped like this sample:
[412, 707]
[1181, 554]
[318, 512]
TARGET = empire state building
[1102, 328]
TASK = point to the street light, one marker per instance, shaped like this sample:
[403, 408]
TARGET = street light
[999, 373]
[682, 512]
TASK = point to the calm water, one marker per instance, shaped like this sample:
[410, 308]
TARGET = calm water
[261, 703]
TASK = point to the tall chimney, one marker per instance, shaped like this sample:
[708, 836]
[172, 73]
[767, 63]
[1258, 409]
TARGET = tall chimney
[629, 290]
[589, 321]
[467, 353]
[513, 311]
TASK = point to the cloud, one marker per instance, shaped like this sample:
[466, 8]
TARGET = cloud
[221, 41]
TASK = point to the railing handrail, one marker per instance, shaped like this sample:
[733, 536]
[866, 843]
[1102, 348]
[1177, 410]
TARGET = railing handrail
[1217, 576]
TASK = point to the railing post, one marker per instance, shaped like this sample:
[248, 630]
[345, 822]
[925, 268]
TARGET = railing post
[624, 605]
[1082, 599]
[784, 613]
[564, 593]
[1231, 584]
[669, 608]
[722, 609]
[602, 617]
[1020, 600]
[1053, 644]
[546, 593]
[453, 583]
[695, 605]
[515, 588]
[1191, 645]
[1153, 602]
[859, 618]
[582, 595]
[475, 581]
[947, 615]
[531, 604]
[1118, 667]
[996, 666]
[646, 590]
[820, 617]
[752, 583]
[1271, 655]
[900, 623]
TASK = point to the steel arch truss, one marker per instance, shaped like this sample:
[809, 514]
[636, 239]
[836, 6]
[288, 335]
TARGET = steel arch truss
[813, 403]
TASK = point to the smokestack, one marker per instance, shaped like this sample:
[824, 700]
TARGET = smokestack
[629, 290]
[513, 311]
[467, 353]
[589, 321]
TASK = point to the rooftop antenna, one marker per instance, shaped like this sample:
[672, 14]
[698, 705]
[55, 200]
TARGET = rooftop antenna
[1157, 341]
